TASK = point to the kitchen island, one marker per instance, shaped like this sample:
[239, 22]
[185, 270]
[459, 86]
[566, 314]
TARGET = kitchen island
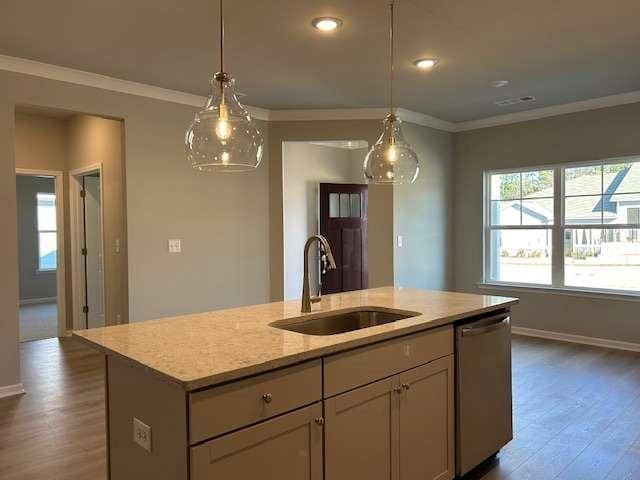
[239, 393]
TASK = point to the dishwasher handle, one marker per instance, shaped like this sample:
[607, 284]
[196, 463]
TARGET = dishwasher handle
[501, 321]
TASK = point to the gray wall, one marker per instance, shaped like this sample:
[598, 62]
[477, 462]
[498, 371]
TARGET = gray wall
[222, 220]
[231, 226]
[33, 284]
[423, 212]
[583, 136]
[304, 166]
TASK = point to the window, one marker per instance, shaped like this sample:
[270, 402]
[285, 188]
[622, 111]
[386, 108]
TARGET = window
[521, 214]
[47, 232]
[595, 243]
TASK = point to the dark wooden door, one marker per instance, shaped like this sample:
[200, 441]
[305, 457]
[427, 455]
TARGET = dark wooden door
[343, 221]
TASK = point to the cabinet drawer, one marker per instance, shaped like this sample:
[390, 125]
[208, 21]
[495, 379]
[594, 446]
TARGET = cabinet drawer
[288, 447]
[348, 370]
[228, 407]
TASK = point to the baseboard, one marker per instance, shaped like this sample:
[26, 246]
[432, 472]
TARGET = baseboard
[566, 337]
[11, 390]
[36, 301]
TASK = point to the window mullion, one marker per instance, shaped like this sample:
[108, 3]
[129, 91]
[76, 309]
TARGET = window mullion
[557, 255]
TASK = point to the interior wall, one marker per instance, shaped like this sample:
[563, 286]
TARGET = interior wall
[304, 166]
[576, 137]
[41, 143]
[222, 220]
[380, 246]
[33, 284]
[423, 214]
[93, 140]
[64, 142]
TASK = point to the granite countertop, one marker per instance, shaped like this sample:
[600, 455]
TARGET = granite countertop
[206, 349]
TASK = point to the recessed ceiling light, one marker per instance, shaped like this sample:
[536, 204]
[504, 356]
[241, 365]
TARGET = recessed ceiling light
[425, 63]
[326, 24]
[499, 83]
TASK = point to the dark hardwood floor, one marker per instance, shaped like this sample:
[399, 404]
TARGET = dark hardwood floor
[577, 415]
[56, 431]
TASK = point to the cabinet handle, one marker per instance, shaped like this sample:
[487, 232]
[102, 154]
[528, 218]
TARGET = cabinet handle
[397, 390]
[319, 421]
[267, 397]
[406, 386]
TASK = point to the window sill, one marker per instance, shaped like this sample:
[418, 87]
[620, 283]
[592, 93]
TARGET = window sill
[45, 272]
[572, 292]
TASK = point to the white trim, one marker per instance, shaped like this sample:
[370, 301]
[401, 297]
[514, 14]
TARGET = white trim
[88, 79]
[11, 390]
[566, 337]
[568, 291]
[60, 270]
[38, 301]
[359, 114]
[80, 77]
[552, 111]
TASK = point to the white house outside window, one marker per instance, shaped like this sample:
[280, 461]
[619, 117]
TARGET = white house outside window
[568, 226]
[47, 231]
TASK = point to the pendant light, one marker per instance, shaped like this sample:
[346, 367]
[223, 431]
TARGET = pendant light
[391, 160]
[222, 136]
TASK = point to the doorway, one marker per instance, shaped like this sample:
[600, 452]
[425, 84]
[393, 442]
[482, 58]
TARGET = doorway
[343, 221]
[306, 166]
[40, 215]
[87, 247]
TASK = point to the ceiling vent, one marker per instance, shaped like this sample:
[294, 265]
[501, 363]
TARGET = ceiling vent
[514, 101]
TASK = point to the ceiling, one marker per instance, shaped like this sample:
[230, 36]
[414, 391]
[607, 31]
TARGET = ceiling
[558, 51]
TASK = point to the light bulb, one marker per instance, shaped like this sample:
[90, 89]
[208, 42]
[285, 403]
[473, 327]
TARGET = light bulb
[222, 136]
[223, 127]
[391, 161]
[391, 154]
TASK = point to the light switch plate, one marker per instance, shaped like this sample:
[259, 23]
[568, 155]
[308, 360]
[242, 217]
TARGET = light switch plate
[142, 434]
[400, 241]
[175, 245]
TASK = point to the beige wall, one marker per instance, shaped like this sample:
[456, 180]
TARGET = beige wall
[65, 142]
[305, 166]
[91, 141]
[380, 197]
[222, 220]
[584, 136]
[423, 213]
[230, 225]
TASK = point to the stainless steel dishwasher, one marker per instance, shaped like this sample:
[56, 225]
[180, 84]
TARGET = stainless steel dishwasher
[483, 389]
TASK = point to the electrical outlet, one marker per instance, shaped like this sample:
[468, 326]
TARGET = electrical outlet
[175, 246]
[142, 434]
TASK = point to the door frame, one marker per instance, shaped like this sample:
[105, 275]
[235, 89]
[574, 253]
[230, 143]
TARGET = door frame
[61, 294]
[77, 240]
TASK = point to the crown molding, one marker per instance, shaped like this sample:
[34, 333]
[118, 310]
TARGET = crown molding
[552, 111]
[88, 79]
[359, 114]
[79, 77]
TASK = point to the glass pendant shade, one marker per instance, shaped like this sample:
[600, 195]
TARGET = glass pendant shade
[222, 136]
[391, 161]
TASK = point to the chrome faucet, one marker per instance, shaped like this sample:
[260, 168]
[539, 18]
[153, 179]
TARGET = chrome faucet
[307, 299]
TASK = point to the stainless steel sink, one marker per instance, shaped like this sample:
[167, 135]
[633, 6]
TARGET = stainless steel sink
[343, 321]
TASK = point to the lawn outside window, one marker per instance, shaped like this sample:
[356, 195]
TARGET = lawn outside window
[570, 226]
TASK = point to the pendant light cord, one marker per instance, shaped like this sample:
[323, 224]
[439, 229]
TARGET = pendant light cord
[221, 37]
[391, 58]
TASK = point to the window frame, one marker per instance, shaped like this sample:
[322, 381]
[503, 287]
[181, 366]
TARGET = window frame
[557, 229]
[39, 231]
